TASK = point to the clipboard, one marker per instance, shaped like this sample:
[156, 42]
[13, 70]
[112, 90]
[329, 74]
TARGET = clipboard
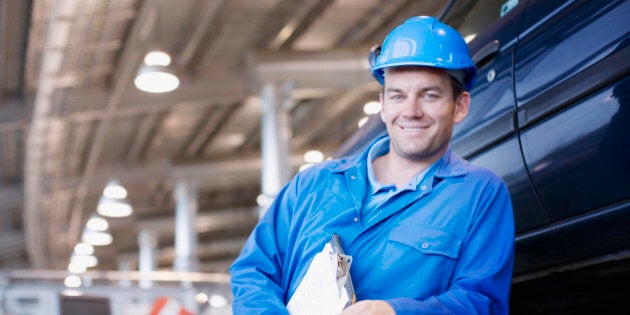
[326, 288]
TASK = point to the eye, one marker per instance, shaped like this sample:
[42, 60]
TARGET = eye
[431, 96]
[396, 97]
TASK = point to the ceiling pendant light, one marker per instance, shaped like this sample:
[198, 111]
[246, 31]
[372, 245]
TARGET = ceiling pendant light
[113, 208]
[84, 260]
[113, 203]
[97, 238]
[154, 75]
[76, 267]
[72, 281]
[97, 223]
[115, 190]
[83, 249]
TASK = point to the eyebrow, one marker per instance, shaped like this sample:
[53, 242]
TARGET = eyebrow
[423, 90]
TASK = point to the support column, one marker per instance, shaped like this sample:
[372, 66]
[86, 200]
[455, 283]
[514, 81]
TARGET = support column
[186, 196]
[124, 265]
[275, 137]
[147, 242]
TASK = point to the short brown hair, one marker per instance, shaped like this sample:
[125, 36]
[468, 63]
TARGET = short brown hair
[456, 86]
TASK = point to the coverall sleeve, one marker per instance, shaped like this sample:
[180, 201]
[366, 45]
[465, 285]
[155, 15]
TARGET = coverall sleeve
[483, 273]
[257, 274]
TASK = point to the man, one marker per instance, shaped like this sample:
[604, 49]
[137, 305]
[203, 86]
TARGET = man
[428, 232]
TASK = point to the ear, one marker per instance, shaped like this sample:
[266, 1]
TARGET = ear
[380, 98]
[461, 107]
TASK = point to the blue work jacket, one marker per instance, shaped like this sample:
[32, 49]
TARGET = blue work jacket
[445, 248]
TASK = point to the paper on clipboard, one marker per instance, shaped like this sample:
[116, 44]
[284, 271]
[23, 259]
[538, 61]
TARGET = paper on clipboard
[326, 287]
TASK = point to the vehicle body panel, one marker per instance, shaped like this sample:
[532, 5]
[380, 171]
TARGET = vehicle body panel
[550, 114]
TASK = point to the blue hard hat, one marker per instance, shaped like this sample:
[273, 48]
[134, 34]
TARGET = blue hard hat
[424, 41]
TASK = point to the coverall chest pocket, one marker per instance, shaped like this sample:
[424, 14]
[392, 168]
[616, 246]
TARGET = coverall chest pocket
[421, 259]
[427, 241]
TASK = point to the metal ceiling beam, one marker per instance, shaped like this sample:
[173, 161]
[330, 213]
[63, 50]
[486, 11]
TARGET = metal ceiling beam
[202, 97]
[14, 28]
[12, 241]
[191, 54]
[216, 265]
[205, 172]
[156, 169]
[81, 135]
[332, 23]
[144, 134]
[142, 105]
[339, 105]
[203, 132]
[371, 23]
[126, 69]
[205, 222]
[59, 27]
[341, 68]
[218, 248]
[307, 12]
[234, 32]
[11, 165]
[12, 244]
[10, 196]
[210, 130]
[96, 275]
[3, 43]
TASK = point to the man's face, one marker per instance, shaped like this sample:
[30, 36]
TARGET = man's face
[419, 112]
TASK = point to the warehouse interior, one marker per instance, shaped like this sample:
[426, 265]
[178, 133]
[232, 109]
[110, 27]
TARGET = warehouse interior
[72, 119]
[261, 88]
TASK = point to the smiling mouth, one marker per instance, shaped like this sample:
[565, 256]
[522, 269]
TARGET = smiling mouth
[413, 129]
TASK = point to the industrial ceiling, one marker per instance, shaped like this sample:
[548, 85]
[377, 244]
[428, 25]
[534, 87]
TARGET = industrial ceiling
[71, 118]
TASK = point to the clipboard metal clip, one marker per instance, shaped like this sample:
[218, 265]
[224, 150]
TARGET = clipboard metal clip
[343, 269]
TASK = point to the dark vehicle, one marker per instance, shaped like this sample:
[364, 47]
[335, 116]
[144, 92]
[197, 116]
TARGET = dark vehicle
[550, 113]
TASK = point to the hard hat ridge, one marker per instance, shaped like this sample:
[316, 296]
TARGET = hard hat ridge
[424, 41]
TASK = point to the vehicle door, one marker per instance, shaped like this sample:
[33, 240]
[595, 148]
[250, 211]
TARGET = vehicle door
[571, 79]
[488, 136]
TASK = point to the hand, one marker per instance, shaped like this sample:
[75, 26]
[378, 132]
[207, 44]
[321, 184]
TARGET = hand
[367, 307]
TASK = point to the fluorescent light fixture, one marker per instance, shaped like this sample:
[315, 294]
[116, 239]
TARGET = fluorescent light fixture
[114, 208]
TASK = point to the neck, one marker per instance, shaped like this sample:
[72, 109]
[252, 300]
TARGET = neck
[390, 168]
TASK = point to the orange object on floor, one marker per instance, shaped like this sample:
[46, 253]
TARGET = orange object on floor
[168, 306]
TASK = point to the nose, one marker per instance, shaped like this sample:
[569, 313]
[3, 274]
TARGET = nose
[412, 108]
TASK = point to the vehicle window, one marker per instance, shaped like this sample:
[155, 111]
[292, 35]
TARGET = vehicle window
[470, 17]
